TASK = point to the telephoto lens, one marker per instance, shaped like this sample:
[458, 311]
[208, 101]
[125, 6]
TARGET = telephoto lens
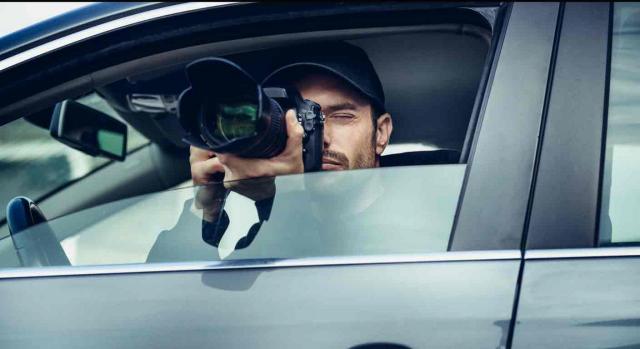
[227, 111]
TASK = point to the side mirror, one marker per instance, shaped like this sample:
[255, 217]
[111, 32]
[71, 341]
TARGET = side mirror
[88, 130]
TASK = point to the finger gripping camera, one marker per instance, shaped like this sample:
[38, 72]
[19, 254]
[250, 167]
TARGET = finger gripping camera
[225, 110]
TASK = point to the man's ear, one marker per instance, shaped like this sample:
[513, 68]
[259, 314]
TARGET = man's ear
[384, 127]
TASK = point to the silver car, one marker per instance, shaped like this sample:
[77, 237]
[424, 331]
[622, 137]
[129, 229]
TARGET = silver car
[516, 227]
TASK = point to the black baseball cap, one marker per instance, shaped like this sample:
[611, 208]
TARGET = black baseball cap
[347, 61]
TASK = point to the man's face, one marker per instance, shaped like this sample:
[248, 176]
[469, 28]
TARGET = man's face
[350, 140]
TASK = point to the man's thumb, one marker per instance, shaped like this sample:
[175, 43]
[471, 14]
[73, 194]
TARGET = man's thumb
[293, 127]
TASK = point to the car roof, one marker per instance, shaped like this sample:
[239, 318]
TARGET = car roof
[67, 23]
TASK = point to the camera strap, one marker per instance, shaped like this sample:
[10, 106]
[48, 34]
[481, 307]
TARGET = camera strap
[212, 232]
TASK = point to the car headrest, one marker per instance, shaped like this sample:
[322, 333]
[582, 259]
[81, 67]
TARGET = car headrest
[429, 157]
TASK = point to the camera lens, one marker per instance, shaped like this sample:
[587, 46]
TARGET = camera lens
[236, 120]
[227, 111]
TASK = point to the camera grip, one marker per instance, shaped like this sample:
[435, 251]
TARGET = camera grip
[312, 149]
[312, 121]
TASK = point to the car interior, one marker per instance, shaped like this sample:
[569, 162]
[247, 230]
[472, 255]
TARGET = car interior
[431, 74]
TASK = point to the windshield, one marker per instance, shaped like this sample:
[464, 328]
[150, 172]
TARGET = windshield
[364, 212]
[33, 164]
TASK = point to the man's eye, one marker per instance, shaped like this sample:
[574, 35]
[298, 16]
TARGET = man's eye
[342, 116]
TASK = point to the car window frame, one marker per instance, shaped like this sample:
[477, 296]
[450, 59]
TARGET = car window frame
[553, 223]
[500, 169]
[81, 83]
[618, 246]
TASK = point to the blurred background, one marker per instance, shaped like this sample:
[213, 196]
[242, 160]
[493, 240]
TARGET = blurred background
[31, 162]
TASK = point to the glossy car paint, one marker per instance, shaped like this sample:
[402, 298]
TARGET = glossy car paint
[65, 23]
[76, 33]
[522, 70]
[420, 305]
[576, 297]
[578, 301]
[584, 298]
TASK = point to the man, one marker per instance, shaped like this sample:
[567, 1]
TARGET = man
[340, 78]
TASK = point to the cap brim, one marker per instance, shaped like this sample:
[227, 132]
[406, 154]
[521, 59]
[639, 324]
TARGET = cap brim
[324, 67]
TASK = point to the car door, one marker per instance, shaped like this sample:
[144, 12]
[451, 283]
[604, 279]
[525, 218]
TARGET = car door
[461, 296]
[580, 281]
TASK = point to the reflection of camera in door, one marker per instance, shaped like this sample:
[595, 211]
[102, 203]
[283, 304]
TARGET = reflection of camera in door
[227, 111]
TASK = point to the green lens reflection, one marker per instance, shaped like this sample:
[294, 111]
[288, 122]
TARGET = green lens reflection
[236, 120]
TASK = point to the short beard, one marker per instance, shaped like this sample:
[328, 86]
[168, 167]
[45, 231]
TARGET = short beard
[341, 183]
[367, 158]
[341, 158]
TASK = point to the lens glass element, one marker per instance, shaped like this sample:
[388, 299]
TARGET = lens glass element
[236, 120]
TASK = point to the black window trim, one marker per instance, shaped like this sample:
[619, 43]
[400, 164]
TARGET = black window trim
[565, 204]
[495, 194]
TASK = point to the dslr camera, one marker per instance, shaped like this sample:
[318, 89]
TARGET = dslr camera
[225, 110]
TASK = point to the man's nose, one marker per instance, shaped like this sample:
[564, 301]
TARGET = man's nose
[326, 135]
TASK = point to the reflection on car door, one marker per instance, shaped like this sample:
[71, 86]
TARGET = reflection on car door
[574, 294]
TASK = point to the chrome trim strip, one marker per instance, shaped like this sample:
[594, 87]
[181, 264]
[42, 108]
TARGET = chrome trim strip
[104, 28]
[582, 253]
[257, 264]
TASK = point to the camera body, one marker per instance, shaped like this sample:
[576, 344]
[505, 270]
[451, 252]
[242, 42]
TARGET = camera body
[225, 110]
[311, 119]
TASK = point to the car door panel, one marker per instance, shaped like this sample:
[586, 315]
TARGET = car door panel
[586, 298]
[450, 299]
[418, 304]
[573, 293]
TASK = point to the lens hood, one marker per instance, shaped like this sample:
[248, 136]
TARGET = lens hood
[225, 110]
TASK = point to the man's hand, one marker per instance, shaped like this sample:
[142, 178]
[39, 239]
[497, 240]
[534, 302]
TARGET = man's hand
[210, 196]
[204, 164]
[287, 162]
